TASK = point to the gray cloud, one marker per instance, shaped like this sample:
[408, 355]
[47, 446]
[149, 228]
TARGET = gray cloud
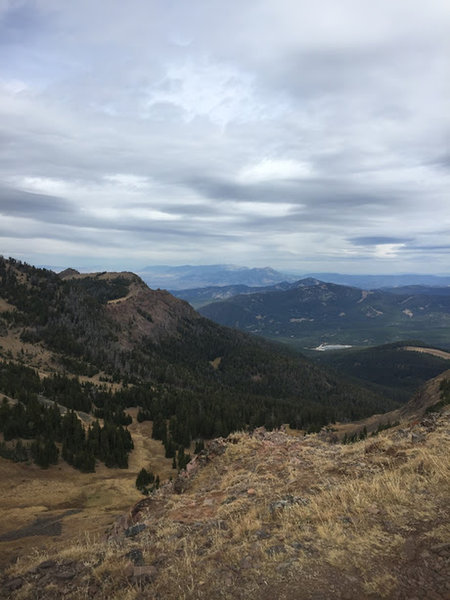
[375, 240]
[42, 207]
[268, 134]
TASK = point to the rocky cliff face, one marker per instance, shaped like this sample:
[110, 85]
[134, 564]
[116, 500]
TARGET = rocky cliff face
[146, 313]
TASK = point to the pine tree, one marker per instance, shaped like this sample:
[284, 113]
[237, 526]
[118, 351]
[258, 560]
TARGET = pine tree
[144, 480]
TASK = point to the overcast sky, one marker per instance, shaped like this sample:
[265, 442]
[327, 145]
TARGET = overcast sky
[308, 136]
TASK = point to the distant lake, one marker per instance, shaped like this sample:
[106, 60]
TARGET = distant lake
[325, 347]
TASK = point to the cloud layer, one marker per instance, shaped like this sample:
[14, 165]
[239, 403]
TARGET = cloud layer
[304, 136]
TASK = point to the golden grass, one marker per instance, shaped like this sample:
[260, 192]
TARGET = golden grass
[28, 492]
[432, 351]
[347, 514]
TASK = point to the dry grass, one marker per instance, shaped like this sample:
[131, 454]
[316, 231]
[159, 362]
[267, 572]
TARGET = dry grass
[28, 492]
[349, 512]
[432, 351]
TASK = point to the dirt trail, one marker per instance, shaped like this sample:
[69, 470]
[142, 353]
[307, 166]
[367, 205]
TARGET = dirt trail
[432, 351]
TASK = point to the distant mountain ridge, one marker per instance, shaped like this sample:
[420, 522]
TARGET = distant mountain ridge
[372, 282]
[186, 277]
[189, 276]
[314, 312]
[426, 290]
[198, 297]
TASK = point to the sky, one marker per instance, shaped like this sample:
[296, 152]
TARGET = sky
[308, 136]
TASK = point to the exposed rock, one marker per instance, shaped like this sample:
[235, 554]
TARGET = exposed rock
[65, 574]
[14, 584]
[135, 530]
[216, 447]
[286, 502]
[417, 437]
[47, 564]
[136, 556]
[275, 549]
[262, 534]
[327, 435]
[180, 484]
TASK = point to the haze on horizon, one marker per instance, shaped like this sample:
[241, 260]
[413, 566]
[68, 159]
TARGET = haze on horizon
[308, 137]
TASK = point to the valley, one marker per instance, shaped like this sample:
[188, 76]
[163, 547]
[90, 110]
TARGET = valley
[247, 436]
[45, 508]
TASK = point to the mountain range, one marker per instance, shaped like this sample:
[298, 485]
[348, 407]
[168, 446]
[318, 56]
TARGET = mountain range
[372, 282]
[208, 379]
[311, 312]
[186, 277]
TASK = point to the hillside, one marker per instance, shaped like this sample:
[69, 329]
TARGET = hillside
[371, 282]
[396, 370]
[128, 345]
[274, 515]
[425, 290]
[198, 297]
[314, 312]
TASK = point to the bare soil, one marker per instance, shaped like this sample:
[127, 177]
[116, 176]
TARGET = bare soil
[432, 351]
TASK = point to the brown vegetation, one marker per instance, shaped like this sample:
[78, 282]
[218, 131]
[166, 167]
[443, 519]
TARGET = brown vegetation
[272, 515]
[35, 498]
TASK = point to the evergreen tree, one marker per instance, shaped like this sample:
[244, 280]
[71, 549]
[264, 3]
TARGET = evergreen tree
[144, 481]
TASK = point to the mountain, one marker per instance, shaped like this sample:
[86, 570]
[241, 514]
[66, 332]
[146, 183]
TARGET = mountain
[424, 290]
[198, 297]
[312, 312]
[154, 351]
[188, 276]
[371, 282]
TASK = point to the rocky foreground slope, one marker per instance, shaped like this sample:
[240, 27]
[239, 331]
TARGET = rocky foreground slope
[272, 515]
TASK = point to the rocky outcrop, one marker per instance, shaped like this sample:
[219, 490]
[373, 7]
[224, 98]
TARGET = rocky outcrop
[149, 314]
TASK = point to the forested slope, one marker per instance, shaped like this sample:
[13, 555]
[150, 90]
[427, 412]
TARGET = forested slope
[138, 347]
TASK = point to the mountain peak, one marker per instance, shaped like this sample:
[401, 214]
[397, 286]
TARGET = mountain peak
[68, 273]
